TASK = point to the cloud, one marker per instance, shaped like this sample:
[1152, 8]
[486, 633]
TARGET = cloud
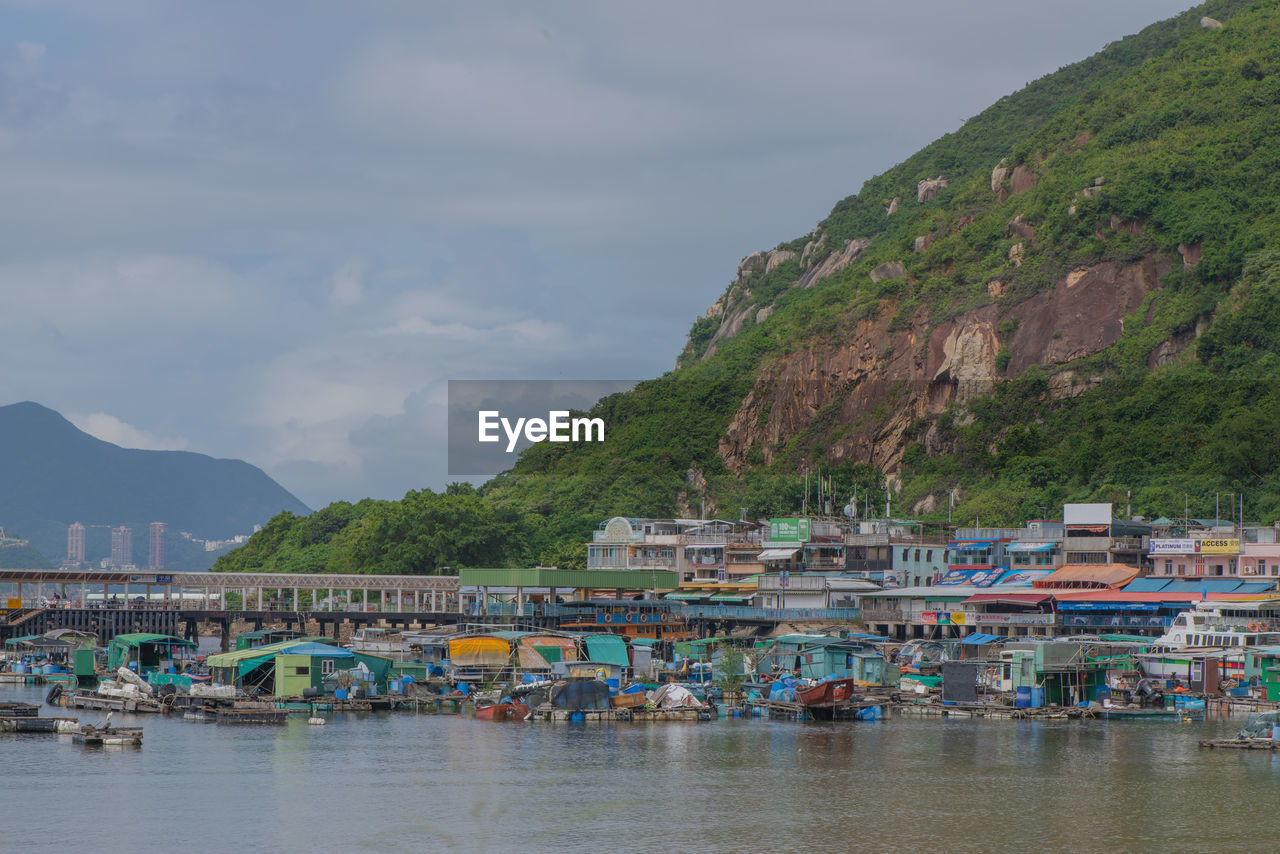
[347, 288]
[111, 429]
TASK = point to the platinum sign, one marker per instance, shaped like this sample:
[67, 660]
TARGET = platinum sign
[557, 427]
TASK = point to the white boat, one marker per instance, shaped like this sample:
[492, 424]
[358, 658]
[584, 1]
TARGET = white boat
[384, 642]
[1220, 630]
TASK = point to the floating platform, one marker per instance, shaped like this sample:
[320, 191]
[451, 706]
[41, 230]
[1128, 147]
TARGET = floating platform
[108, 736]
[98, 702]
[19, 710]
[1243, 743]
[52, 725]
[38, 679]
[683, 713]
[251, 716]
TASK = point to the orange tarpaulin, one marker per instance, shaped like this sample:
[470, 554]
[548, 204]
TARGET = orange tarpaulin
[479, 652]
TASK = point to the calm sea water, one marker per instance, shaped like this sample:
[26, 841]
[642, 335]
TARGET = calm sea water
[399, 782]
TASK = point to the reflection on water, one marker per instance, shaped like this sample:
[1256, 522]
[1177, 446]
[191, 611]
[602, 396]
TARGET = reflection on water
[426, 783]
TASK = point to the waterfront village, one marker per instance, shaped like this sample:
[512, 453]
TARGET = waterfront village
[800, 618]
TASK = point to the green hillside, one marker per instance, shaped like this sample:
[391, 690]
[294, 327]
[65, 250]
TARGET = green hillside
[1155, 159]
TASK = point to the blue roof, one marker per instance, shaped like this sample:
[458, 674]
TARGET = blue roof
[977, 638]
[1147, 585]
[318, 649]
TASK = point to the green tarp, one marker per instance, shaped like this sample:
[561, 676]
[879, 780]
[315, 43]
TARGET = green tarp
[608, 649]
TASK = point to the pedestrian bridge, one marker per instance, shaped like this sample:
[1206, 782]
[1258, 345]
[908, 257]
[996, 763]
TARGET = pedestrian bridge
[35, 588]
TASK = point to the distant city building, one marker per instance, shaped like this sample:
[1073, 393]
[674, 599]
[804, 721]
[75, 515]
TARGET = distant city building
[121, 546]
[75, 543]
[157, 546]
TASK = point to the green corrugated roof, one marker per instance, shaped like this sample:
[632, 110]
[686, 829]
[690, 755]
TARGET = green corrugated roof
[685, 596]
[136, 638]
[230, 659]
[608, 649]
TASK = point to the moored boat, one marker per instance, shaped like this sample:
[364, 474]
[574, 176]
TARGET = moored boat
[826, 693]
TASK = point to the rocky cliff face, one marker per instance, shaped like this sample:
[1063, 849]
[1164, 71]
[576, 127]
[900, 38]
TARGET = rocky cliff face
[877, 385]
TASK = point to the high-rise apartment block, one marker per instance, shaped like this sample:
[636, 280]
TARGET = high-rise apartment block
[157, 546]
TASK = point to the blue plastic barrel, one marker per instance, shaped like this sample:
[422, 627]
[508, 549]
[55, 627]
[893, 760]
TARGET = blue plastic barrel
[22, 668]
[340, 694]
[1037, 697]
[1022, 698]
[51, 668]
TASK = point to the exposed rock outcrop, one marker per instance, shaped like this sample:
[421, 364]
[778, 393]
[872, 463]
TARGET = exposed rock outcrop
[888, 270]
[893, 207]
[812, 248]
[834, 262]
[1190, 254]
[776, 258]
[1018, 228]
[1021, 180]
[1015, 254]
[929, 188]
[1210, 23]
[882, 381]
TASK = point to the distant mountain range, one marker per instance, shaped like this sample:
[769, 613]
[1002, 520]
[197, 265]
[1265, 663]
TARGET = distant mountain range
[54, 474]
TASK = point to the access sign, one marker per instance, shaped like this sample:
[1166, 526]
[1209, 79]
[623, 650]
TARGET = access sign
[790, 530]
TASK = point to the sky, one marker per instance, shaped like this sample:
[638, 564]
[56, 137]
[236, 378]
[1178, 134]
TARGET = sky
[275, 231]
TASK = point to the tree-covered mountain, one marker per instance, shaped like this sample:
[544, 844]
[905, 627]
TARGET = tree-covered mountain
[1075, 296]
[55, 474]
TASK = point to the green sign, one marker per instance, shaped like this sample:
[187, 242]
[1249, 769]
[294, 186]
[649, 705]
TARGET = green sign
[793, 530]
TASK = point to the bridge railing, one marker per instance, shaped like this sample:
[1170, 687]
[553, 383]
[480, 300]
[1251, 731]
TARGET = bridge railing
[735, 612]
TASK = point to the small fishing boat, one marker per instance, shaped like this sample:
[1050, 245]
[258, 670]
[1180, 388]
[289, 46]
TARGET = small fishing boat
[826, 693]
[499, 712]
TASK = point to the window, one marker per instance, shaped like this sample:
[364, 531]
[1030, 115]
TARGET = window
[302, 671]
[906, 552]
[1168, 567]
[929, 555]
[327, 666]
[917, 555]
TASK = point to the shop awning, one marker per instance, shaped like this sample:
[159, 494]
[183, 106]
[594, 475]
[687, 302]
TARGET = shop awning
[972, 547]
[1007, 598]
[730, 597]
[685, 596]
[1029, 547]
[777, 554]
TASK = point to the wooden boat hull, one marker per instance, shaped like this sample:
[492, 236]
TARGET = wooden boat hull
[826, 693]
[497, 712]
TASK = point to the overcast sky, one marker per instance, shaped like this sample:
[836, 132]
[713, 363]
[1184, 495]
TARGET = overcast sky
[274, 231]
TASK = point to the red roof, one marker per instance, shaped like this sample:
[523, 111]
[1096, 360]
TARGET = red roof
[1007, 598]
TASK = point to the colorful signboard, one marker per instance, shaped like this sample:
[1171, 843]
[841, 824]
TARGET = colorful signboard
[791, 530]
[1195, 546]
